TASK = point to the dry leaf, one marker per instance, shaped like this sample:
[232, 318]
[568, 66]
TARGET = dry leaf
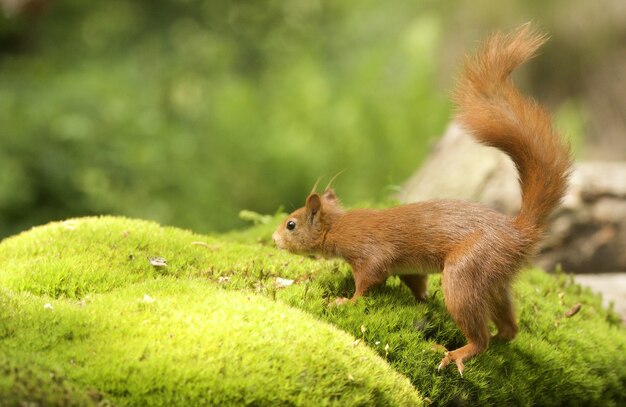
[283, 282]
[158, 261]
[69, 224]
[573, 311]
[205, 244]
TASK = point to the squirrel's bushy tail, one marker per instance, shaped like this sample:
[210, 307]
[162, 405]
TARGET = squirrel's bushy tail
[490, 106]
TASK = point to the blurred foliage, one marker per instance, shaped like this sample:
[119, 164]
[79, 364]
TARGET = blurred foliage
[187, 111]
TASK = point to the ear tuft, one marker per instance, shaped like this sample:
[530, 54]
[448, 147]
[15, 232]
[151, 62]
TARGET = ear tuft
[333, 179]
[315, 185]
[330, 195]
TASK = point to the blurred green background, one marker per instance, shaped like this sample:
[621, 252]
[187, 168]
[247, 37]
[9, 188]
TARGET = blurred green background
[188, 111]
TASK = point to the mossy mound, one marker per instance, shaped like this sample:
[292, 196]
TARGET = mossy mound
[89, 255]
[89, 312]
[86, 315]
[182, 342]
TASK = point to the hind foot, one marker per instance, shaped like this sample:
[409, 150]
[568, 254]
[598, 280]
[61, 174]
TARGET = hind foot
[459, 355]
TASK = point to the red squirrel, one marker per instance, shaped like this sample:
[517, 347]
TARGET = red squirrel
[478, 250]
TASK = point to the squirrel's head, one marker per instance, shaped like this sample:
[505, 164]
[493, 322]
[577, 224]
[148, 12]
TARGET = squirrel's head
[304, 230]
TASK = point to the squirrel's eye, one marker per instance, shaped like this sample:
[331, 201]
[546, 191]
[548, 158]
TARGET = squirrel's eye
[291, 225]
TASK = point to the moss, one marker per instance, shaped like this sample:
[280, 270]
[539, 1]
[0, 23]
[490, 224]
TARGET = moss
[89, 255]
[554, 360]
[22, 384]
[170, 341]
[189, 340]
[102, 335]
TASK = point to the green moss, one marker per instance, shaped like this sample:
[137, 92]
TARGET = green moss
[22, 384]
[220, 321]
[88, 255]
[554, 359]
[187, 342]
[196, 342]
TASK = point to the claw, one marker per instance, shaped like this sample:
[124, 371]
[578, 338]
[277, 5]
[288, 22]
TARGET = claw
[448, 358]
[444, 362]
[460, 366]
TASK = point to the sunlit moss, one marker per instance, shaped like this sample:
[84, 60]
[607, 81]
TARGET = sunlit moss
[175, 341]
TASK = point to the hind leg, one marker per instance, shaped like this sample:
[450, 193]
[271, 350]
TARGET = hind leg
[503, 315]
[418, 284]
[465, 300]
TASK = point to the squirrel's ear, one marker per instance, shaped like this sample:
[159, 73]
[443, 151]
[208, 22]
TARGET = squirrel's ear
[313, 206]
[330, 195]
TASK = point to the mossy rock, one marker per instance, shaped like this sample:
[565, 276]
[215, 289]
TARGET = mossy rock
[89, 315]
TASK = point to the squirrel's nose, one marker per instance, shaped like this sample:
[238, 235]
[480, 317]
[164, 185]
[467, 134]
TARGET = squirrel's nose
[277, 240]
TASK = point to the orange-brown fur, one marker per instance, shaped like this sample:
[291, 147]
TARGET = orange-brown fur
[478, 249]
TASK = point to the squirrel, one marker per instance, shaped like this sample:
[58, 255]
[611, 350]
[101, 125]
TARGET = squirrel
[478, 250]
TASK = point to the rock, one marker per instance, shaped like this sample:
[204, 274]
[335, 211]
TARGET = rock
[460, 168]
[611, 285]
[588, 233]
